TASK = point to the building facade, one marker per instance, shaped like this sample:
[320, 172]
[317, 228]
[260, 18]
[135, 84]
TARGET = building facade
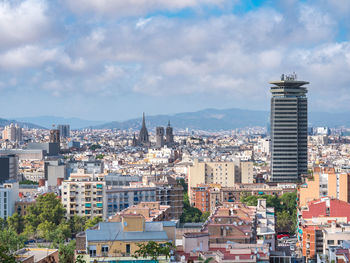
[288, 129]
[159, 137]
[84, 195]
[118, 241]
[8, 167]
[8, 196]
[64, 130]
[225, 174]
[325, 182]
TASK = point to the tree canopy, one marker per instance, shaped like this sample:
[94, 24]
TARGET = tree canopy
[285, 208]
[153, 250]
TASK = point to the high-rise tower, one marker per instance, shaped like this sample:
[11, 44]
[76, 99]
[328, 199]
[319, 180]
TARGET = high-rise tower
[288, 129]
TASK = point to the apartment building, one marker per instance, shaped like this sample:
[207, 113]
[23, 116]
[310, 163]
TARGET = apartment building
[225, 174]
[325, 182]
[172, 195]
[8, 196]
[315, 221]
[122, 197]
[246, 170]
[208, 197]
[84, 195]
[232, 222]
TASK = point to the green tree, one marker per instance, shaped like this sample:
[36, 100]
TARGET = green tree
[48, 212]
[6, 256]
[66, 252]
[153, 250]
[77, 224]
[10, 240]
[284, 222]
[205, 216]
[79, 259]
[92, 222]
[190, 214]
[94, 147]
[182, 182]
[3, 223]
[99, 156]
[16, 222]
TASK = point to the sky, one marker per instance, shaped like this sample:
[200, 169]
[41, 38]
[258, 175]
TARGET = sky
[114, 59]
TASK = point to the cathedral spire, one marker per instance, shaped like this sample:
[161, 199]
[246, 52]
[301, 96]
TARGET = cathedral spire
[143, 120]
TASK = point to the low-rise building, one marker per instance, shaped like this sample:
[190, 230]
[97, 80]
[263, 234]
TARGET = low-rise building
[151, 211]
[115, 241]
[37, 255]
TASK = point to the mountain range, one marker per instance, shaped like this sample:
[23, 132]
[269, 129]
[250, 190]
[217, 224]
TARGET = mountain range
[5, 122]
[226, 119]
[208, 119]
[48, 121]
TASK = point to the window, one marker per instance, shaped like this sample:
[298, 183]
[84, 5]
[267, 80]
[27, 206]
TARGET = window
[330, 242]
[92, 251]
[127, 248]
[104, 250]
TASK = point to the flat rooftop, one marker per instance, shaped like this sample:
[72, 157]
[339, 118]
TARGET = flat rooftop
[38, 253]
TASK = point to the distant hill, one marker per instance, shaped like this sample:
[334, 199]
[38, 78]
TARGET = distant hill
[5, 122]
[208, 119]
[227, 119]
[48, 121]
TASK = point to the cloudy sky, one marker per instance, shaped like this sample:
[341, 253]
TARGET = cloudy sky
[113, 59]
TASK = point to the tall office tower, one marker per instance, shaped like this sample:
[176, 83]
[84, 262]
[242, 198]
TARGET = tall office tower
[169, 135]
[159, 137]
[13, 133]
[288, 129]
[64, 130]
[55, 136]
[143, 136]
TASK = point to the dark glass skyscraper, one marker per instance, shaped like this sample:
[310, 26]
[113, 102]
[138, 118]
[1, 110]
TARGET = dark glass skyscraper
[288, 129]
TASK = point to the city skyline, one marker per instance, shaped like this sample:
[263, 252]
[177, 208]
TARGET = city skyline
[98, 59]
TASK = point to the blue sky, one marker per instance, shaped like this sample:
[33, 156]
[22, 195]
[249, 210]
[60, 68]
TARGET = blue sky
[114, 59]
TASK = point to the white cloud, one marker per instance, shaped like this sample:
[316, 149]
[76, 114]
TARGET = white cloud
[22, 22]
[142, 22]
[136, 7]
[26, 56]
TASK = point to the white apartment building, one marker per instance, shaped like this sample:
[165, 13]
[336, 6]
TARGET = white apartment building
[8, 196]
[84, 195]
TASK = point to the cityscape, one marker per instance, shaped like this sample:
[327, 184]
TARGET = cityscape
[171, 131]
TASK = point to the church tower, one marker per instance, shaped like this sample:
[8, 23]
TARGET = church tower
[143, 136]
[169, 137]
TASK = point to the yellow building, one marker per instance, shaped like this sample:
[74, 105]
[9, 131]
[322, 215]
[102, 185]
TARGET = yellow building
[115, 241]
[325, 182]
[225, 174]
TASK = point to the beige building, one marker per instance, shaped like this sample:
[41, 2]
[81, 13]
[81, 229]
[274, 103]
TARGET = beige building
[335, 235]
[84, 195]
[13, 133]
[325, 182]
[246, 170]
[225, 174]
